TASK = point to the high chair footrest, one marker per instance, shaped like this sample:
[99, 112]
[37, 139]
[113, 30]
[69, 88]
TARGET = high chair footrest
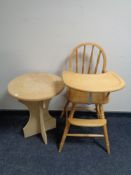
[87, 122]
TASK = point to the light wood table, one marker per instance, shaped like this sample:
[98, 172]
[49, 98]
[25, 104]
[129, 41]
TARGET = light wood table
[35, 90]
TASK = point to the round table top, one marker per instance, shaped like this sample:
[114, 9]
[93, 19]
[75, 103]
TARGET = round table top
[35, 86]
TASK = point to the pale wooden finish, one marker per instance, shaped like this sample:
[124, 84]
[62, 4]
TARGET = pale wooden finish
[98, 60]
[35, 86]
[91, 88]
[87, 122]
[85, 135]
[35, 91]
[67, 127]
[106, 82]
[76, 96]
[83, 86]
[86, 97]
[75, 55]
[40, 120]
[65, 109]
[90, 63]
[102, 116]
[83, 63]
[76, 60]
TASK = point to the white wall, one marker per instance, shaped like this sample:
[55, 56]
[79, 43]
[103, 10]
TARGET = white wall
[37, 35]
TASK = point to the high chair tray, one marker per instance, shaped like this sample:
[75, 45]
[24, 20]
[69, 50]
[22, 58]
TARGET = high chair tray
[104, 82]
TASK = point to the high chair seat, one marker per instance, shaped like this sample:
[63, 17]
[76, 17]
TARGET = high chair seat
[83, 97]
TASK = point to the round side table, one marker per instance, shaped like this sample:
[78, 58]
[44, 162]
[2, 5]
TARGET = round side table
[35, 90]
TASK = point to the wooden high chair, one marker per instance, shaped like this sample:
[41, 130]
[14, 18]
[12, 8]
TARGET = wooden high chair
[88, 82]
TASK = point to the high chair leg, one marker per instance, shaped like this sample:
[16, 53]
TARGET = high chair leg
[65, 109]
[67, 127]
[102, 115]
[106, 139]
[97, 110]
[105, 130]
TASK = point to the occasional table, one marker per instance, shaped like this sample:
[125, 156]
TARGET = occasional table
[35, 90]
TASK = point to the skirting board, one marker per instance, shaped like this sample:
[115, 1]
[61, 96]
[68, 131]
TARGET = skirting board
[58, 112]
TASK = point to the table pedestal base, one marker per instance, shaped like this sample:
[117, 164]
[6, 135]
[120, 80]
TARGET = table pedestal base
[39, 120]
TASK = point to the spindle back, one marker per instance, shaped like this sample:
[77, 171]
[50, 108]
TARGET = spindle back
[87, 58]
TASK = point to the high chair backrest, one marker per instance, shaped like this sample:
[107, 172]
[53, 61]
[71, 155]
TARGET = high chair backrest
[87, 58]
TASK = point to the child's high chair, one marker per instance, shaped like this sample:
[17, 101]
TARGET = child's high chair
[88, 82]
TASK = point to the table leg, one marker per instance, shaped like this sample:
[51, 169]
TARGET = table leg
[46, 121]
[39, 120]
[33, 125]
[50, 122]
